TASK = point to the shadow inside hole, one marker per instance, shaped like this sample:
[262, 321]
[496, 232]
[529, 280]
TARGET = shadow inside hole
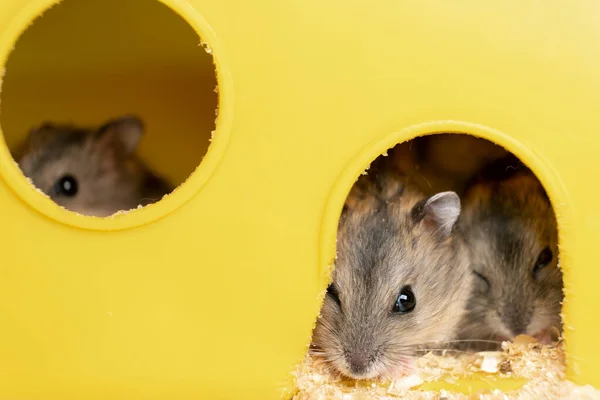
[85, 64]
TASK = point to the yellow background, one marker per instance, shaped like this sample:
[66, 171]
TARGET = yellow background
[213, 292]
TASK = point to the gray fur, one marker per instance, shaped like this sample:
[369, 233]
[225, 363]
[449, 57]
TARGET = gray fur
[508, 222]
[109, 177]
[382, 247]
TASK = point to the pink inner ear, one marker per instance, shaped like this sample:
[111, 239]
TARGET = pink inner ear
[108, 140]
[442, 211]
[109, 149]
[107, 155]
[431, 222]
[436, 225]
[120, 140]
[123, 134]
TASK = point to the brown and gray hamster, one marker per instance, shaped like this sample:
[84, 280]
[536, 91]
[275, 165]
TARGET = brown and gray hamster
[401, 279]
[445, 161]
[91, 171]
[512, 235]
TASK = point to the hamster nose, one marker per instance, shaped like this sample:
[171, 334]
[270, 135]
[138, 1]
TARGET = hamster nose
[358, 362]
[516, 323]
[502, 338]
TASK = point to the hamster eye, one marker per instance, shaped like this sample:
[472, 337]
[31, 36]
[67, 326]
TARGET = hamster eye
[332, 292]
[543, 259]
[66, 186]
[483, 278]
[405, 302]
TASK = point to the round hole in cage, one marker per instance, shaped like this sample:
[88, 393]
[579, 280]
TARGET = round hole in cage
[109, 106]
[498, 199]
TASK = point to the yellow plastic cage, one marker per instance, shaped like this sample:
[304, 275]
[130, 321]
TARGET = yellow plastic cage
[213, 292]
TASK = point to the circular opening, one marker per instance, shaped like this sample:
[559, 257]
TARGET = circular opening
[403, 215]
[107, 105]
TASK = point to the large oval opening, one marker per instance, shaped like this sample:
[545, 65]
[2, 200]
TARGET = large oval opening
[108, 105]
[446, 270]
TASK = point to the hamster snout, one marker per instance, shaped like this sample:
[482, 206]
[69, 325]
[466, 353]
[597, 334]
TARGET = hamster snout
[91, 171]
[400, 283]
[511, 231]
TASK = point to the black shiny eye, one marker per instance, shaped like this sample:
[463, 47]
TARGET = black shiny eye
[483, 278]
[405, 302]
[66, 186]
[543, 260]
[332, 292]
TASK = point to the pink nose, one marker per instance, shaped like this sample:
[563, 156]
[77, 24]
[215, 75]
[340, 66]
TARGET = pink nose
[502, 338]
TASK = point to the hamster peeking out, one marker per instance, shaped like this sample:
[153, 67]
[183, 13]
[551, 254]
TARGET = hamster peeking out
[401, 280]
[92, 171]
[512, 235]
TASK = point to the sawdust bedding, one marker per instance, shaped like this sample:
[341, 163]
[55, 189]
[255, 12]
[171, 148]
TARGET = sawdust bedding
[540, 367]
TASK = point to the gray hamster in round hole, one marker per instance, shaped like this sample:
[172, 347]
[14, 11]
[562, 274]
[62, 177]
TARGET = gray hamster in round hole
[91, 171]
[512, 235]
[401, 279]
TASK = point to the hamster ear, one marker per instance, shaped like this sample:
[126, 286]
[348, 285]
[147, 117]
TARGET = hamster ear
[123, 133]
[40, 135]
[438, 212]
[355, 198]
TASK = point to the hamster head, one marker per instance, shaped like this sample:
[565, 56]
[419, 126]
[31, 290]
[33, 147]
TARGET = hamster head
[88, 171]
[400, 283]
[511, 231]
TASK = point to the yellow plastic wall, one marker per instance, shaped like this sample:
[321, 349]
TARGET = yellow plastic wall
[213, 292]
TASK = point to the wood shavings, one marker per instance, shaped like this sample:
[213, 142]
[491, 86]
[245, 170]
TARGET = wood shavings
[490, 362]
[541, 368]
[404, 384]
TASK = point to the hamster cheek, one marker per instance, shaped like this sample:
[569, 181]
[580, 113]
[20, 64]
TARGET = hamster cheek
[546, 324]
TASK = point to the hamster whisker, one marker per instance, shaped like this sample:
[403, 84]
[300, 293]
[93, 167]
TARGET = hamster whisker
[444, 349]
[471, 341]
[316, 352]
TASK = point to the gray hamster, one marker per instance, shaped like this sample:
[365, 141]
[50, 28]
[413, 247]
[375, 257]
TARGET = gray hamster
[91, 171]
[445, 161]
[512, 235]
[401, 279]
